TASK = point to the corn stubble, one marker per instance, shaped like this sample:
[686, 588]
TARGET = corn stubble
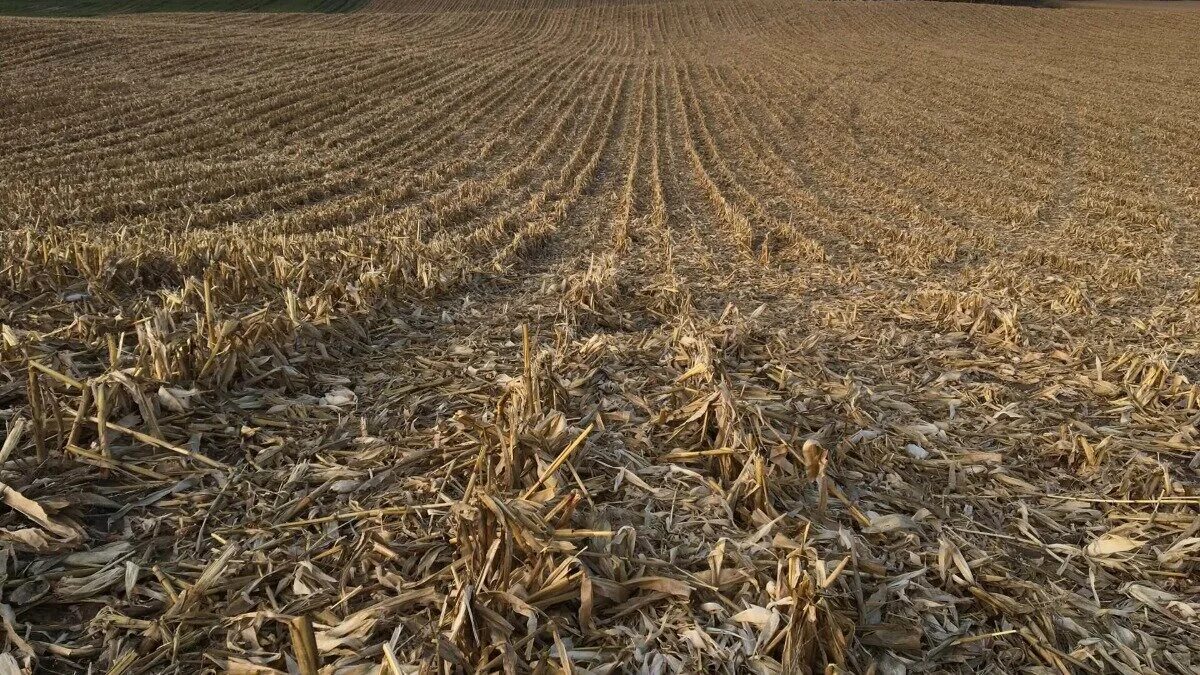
[601, 337]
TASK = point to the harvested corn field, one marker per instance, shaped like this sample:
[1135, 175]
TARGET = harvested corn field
[665, 336]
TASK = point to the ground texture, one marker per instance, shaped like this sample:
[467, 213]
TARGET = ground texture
[767, 336]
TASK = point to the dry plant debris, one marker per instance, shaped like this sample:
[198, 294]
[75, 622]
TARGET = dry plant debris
[666, 336]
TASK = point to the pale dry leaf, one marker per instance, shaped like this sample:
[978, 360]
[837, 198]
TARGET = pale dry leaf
[1110, 544]
[34, 511]
[893, 522]
[664, 585]
[755, 614]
